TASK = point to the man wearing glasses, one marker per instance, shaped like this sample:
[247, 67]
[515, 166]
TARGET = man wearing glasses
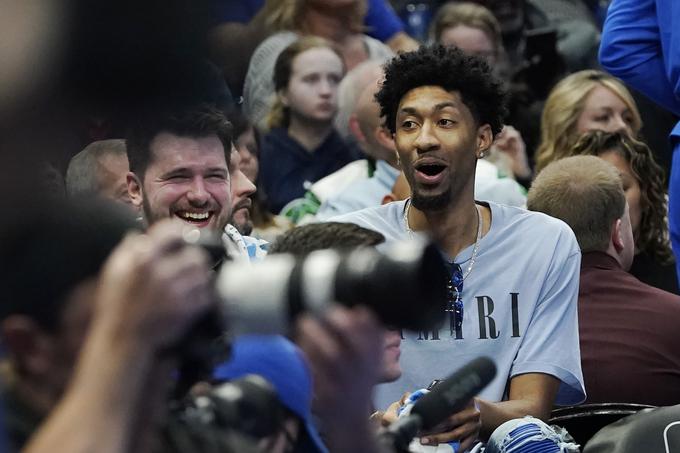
[514, 274]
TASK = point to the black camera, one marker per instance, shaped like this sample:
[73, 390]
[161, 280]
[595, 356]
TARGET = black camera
[232, 417]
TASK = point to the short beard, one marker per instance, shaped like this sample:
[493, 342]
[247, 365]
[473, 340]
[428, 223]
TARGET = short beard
[245, 228]
[431, 203]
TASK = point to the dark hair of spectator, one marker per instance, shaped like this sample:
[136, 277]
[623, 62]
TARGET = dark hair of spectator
[196, 122]
[316, 236]
[652, 235]
[47, 252]
[450, 69]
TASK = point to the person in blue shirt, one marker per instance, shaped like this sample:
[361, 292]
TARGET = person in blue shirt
[641, 45]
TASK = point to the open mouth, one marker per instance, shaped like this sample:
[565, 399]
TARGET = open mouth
[431, 169]
[195, 218]
[430, 172]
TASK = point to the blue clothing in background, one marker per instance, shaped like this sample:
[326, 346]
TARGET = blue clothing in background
[381, 20]
[285, 166]
[641, 45]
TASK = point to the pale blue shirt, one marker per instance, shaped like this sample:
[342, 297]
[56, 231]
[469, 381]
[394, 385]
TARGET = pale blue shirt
[520, 305]
[364, 194]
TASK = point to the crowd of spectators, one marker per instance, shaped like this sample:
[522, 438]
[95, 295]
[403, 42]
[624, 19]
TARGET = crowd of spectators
[173, 171]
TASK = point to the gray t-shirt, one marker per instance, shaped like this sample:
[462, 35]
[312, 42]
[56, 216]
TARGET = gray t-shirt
[520, 305]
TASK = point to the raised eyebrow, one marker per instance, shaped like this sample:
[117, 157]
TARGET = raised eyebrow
[440, 106]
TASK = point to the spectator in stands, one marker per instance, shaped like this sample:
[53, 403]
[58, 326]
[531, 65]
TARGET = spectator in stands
[349, 91]
[474, 30]
[627, 329]
[302, 145]
[340, 23]
[584, 101]
[643, 182]
[444, 109]
[377, 143]
[181, 168]
[266, 226]
[100, 169]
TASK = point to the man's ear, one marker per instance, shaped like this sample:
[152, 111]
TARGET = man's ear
[134, 186]
[484, 140]
[28, 345]
[389, 198]
[384, 137]
[355, 130]
[616, 238]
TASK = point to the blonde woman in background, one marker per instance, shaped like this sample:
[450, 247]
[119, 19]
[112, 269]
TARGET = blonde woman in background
[584, 101]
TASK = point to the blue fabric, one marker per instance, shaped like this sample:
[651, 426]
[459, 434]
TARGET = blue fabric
[236, 11]
[285, 166]
[281, 363]
[381, 20]
[529, 435]
[641, 45]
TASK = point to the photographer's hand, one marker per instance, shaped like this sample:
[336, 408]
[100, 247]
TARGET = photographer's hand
[344, 350]
[149, 292]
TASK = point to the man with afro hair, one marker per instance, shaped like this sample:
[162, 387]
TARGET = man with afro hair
[514, 274]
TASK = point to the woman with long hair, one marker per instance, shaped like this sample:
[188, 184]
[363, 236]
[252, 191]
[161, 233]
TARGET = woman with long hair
[302, 146]
[584, 101]
[643, 183]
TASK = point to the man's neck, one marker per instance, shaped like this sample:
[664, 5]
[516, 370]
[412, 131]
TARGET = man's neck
[309, 134]
[453, 228]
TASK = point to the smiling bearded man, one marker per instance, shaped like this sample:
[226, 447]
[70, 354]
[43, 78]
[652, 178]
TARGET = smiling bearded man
[179, 167]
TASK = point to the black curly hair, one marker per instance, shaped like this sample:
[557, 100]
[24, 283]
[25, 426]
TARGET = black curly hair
[451, 69]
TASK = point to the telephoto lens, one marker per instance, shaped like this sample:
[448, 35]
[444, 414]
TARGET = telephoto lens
[405, 285]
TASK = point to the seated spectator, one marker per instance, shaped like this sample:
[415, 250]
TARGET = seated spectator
[643, 183]
[627, 329]
[349, 91]
[377, 143]
[381, 22]
[507, 290]
[302, 145]
[474, 30]
[339, 23]
[100, 169]
[266, 226]
[584, 101]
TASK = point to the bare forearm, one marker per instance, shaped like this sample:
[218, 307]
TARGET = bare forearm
[495, 414]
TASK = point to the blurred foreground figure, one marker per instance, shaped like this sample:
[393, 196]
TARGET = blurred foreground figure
[127, 308]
